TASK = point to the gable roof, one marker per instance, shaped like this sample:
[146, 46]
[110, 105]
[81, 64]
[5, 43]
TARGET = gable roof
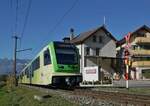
[85, 35]
[122, 41]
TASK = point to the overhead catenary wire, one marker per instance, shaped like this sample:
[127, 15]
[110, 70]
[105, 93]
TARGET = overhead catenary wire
[26, 18]
[16, 18]
[64, 15]
[25, 21]
[16, 39]
[11, 9]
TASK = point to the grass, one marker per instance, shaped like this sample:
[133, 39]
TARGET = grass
[142, 91]
[25, 97]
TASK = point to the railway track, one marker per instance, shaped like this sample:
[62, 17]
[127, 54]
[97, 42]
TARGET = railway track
[118, 97]
[98, 98]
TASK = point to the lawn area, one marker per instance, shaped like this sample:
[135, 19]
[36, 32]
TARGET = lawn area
[25, 97]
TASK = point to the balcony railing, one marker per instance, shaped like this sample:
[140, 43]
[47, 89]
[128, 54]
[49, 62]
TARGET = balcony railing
[142, 40]
[140, 52]
[141, 64]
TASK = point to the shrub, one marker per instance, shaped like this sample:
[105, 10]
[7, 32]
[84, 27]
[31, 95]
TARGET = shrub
[10, 83]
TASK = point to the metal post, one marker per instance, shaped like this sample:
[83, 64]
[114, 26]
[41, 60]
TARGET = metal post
[127, 80]
[83, 58]
[127, 38]
[100, 68]
[15, 58]
[101, 76]
[15, 55]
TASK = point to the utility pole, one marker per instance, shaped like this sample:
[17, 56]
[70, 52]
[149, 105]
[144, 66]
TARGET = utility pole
[14, 63]
[15, 58]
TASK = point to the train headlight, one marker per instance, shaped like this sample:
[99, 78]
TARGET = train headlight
[67, 79]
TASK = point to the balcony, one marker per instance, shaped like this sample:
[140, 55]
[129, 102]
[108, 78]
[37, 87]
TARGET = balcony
[141, 64]
[144, 40]
[140, 52]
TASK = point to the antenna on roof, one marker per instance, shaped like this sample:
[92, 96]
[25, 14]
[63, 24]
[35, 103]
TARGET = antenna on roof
[104, 21]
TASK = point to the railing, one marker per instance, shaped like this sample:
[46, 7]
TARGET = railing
[141, 64]
[142, 40]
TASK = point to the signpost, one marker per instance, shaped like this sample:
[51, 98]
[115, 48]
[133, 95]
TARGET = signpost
[127, 61]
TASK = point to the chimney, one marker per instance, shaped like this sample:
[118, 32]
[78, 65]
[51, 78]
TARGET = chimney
[71, 33]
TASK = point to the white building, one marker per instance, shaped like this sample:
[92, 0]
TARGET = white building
[97, 47]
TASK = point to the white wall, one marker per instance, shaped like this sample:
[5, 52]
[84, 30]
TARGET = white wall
[107, 47]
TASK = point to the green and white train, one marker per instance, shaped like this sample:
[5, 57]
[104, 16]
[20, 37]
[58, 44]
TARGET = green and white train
[57, 64]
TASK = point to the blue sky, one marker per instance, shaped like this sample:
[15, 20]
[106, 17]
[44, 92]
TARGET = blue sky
[122, 16]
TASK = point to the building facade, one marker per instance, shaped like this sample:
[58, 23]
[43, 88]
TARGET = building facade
[139, 52]
[97, 47]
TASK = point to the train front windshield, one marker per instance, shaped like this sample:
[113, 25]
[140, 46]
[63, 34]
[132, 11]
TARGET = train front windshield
[66, 54]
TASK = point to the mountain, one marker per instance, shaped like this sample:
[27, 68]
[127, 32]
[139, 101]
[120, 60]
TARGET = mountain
[6, 65]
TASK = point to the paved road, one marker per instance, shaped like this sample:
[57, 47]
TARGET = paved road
[132, 83]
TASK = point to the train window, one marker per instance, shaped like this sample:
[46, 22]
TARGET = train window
[36, 64]
[47, 59]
